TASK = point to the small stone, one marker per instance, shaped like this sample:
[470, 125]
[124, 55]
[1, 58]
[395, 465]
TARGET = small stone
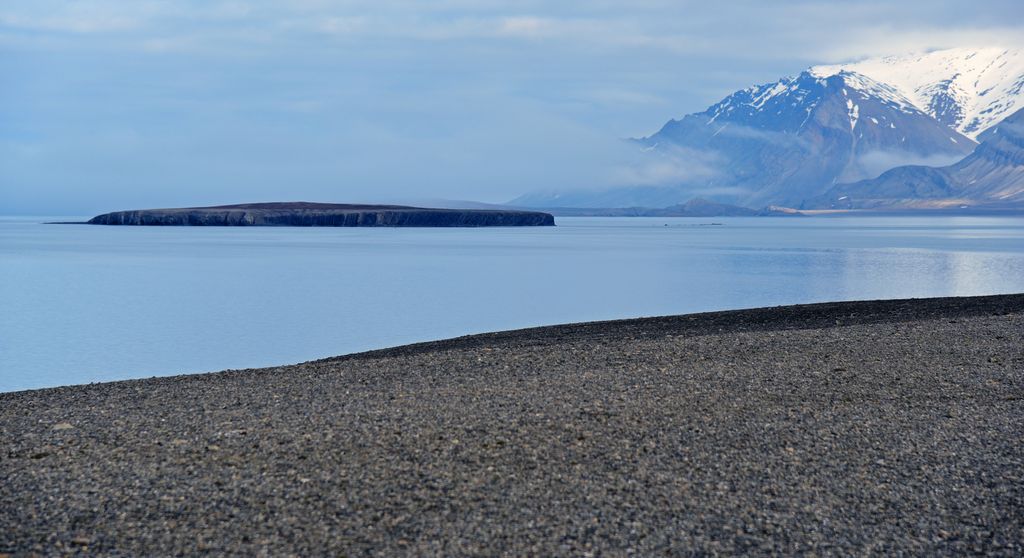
[63, 426]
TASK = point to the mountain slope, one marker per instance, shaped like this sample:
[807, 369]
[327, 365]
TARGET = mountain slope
[785, 141]
[967, 89]
[992, 175]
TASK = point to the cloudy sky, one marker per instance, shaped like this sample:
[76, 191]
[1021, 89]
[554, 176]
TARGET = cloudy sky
[122, 104]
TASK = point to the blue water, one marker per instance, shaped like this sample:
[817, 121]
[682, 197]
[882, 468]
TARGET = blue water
[81, 303]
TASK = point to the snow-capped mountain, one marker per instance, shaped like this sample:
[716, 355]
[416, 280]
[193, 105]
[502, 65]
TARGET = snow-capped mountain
[968, 89]
[784, 142]
[793, 140]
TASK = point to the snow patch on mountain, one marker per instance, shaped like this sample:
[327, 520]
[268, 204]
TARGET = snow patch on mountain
[854, 112]
[870, 86]
[967, 89]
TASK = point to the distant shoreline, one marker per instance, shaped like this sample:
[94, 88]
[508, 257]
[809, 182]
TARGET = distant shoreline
[843, 427]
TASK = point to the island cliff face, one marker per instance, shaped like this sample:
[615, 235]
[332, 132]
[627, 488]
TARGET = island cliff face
[305, 214]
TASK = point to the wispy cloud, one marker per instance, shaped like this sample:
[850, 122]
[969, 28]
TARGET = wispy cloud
[668, 166]
[71, 22]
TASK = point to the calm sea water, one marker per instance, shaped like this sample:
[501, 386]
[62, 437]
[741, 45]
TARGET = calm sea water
[81, 303]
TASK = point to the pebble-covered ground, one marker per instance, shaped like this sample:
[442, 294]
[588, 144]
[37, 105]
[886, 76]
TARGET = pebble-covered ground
[848, 428]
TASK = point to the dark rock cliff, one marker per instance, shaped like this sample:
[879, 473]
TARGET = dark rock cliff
[304, 214]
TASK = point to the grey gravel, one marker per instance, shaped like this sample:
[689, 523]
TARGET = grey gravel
[845, 428]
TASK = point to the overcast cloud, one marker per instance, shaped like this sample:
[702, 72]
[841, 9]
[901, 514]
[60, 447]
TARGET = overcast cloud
[112, 105]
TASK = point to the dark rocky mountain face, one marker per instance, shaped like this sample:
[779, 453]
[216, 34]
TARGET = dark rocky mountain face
[784, 142]
[992, 175]
[944, 105]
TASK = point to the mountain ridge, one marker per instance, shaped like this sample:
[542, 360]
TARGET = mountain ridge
[968, 89]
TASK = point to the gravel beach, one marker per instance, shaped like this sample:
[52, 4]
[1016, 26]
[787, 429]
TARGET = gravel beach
[880, 427]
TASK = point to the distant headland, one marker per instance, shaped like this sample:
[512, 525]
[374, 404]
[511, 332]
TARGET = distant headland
[306, 214]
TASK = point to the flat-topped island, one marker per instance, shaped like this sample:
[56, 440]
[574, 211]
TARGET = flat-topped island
[306, 214]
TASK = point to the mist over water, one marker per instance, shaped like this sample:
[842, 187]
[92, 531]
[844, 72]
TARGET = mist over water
[88, 303]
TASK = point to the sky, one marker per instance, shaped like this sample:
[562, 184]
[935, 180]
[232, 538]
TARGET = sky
[108, 105]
